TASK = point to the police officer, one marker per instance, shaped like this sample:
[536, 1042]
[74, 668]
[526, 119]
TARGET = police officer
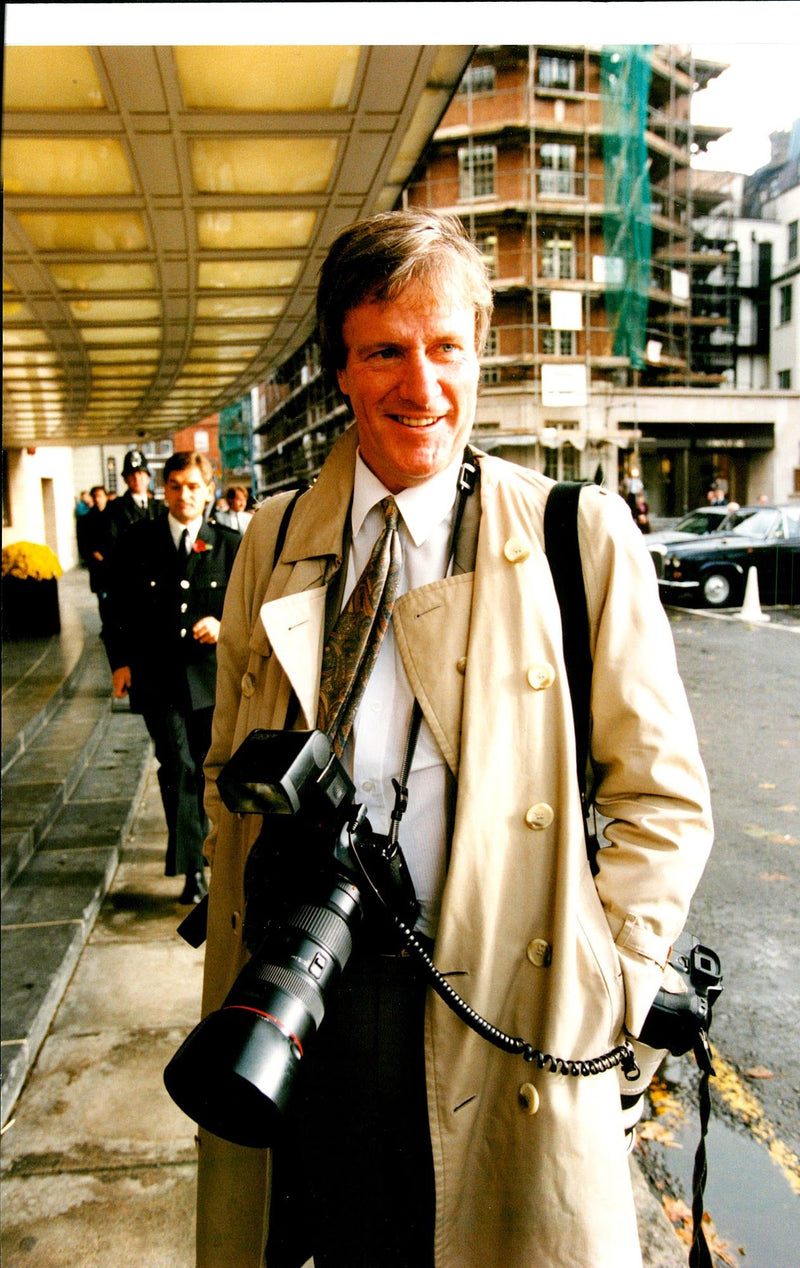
[136, 503]
[169, 577]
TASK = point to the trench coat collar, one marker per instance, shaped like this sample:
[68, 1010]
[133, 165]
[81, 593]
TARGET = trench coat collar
[317, 526]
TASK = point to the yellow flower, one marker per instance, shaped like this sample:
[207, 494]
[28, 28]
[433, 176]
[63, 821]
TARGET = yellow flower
[30, 560]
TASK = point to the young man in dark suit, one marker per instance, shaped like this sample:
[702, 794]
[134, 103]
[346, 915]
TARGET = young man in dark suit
[169, 577]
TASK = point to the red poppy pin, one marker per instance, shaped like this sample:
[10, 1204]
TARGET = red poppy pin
[200, 547]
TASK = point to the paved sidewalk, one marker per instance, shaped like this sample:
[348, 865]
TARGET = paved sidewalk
[98, 1164]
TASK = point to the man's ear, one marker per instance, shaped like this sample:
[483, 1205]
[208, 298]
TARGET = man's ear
[341, 379]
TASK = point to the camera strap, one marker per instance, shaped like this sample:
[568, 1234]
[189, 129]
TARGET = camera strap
[461, 557]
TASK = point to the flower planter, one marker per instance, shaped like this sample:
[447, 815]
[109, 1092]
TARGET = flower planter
[30, 608]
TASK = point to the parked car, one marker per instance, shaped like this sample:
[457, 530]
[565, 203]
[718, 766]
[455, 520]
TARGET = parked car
[705, 519]
[711, 570]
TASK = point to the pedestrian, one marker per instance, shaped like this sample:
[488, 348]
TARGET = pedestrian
[95, 543]
[235, 512]
[413, 1141]
[169, 577]
[641, 513]
[83, 504]
[136, 502]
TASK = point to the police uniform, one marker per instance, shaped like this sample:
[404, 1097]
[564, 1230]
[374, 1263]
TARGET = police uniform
[125, 511]
[158, 594]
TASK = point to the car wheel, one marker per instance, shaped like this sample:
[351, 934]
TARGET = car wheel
[717, 589]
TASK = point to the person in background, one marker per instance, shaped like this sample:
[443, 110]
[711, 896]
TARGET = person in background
[95, 544]
[236, 514]
[641, 513]
[83, 504]
[412, 1140]
[136, 503]
[168, 581]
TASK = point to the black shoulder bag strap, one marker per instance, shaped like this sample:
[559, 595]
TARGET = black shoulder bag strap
[564, 556]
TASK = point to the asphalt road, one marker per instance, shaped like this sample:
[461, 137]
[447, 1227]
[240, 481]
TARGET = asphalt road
[743, 683]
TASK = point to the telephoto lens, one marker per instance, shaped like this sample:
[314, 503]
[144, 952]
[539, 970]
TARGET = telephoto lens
[236, 1071]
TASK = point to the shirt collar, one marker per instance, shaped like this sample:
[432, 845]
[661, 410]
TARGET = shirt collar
[176, 528]
[422, 506]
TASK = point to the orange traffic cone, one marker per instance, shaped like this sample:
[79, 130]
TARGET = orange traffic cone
[751, 608]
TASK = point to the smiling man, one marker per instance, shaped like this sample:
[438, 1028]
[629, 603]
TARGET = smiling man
[411, 1141]
[168, 582]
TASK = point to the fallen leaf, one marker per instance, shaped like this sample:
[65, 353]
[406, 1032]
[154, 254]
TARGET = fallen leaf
[652, 1130]
[766, 785]
[758, 1072]
[680, 1217]
[773, 876]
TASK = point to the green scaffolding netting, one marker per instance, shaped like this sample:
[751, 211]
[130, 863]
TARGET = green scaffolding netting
[235, 436]
[627, 229]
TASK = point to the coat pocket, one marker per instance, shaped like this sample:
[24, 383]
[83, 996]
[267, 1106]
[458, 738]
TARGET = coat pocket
[599, 948]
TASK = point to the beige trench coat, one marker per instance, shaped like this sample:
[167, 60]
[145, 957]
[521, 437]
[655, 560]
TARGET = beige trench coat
[538, 946]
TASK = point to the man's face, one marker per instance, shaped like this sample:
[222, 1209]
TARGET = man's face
[238, 500]
[412, 379]
[186, 494]
[101, 499]
[138, 482]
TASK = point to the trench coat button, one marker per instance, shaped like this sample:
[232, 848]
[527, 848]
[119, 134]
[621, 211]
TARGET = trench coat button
[248, 685]
[184, 607]
[516, 550]
[539, 952]
[539, 816]
[528, 1098]
[183, 633]
[541, 675]
[213, 585]
[184, 584]
[461, 664]
[152, 583]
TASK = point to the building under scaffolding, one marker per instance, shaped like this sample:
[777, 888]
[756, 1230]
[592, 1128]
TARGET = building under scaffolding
[571, 168]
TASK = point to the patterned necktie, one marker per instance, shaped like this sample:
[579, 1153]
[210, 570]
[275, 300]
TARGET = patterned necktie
[351, 648]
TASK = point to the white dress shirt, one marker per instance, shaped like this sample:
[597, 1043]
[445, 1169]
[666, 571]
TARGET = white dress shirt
[176, 528]
[375, 751]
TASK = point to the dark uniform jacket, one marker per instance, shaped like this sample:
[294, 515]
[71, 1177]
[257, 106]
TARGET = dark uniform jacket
[156, 599]
[95, 534]
[124, 512]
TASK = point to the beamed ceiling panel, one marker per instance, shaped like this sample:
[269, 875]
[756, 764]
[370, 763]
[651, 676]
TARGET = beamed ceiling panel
[167, 210]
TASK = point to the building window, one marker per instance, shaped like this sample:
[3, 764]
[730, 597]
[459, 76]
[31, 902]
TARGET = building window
[784, 380]
[477, 166]
[487, 245]
[561, 463]
[785, 304]
[557, 72]
[477, 79]
[557, 169]
[558, 256]
[558, 343]
[492, 348]
[792, 251]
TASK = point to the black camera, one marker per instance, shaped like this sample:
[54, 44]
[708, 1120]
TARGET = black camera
[677, 1017]
[235, 1073]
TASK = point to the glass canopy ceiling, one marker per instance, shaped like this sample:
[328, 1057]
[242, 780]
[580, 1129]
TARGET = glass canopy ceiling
[167, 210]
